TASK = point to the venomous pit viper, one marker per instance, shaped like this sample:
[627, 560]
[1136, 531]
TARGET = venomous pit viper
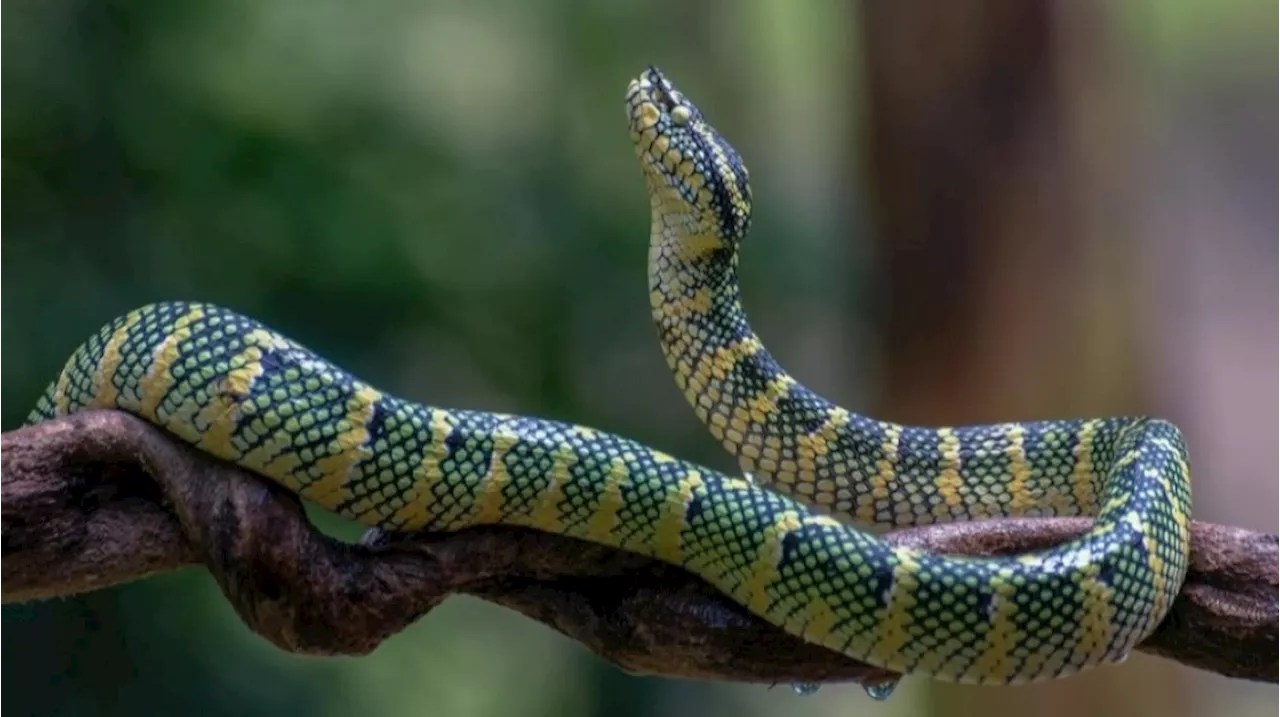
[803, 556]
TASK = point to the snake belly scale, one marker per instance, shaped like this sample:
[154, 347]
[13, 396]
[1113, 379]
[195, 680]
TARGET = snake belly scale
[244, 393]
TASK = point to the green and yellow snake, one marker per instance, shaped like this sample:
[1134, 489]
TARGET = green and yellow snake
[246, 394]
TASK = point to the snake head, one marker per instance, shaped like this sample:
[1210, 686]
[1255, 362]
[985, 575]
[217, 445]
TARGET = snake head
[697, 182]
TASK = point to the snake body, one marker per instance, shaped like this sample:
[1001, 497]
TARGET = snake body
[244, 393]
[985, 621]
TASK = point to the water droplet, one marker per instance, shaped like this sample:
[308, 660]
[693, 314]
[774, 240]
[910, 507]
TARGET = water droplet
[805, 688]
[882, 691]
[375, 537]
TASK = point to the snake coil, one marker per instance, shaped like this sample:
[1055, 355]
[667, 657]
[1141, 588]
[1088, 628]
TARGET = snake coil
[803, 556]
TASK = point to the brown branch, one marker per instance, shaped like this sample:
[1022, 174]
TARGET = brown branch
[102, 498]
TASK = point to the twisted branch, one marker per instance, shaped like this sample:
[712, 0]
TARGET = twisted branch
[102, 498]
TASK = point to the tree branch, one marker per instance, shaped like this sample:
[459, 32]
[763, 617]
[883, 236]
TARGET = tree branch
[101, 498]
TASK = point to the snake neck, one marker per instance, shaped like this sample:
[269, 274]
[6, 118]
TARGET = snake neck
[787, 435]
[718, 361]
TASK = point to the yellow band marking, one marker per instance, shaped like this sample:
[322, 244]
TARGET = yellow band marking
[104, 388]
[659, 457]
[1127, 459]
[346, 451]
[266, 340]
[1020, 497]
[722, 165]
[818, 618]
[886, 471]
[181, 420]
[933, 661]
[670, 526]
[948, 481]
[547, 514]
[421, 508]
[824, 520]
[274, 456]
[586, 433]
[994, 663]
[760, 406]
[490, 501]
[820, 441]
[678, 306]
[1093, 632]
[1159, 583]
[764, 571]
[1184, 470]
[1047, 659]
[159, 378]
[1084, 472]
[699, 244]
[61, 391]
[719, 363]
[605, 520]
[891, 635]
[217, 419]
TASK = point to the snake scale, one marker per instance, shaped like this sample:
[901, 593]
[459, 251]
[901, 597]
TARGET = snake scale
[804, 556]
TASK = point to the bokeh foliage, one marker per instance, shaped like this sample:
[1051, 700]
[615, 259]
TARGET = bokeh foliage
[439, 196]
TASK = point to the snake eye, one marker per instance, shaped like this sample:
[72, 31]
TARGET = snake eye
[680, 114]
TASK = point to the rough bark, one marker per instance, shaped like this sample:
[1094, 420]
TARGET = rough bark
[102, 498]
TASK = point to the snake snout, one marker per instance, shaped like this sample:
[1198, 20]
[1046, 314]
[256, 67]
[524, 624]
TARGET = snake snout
[679, 150]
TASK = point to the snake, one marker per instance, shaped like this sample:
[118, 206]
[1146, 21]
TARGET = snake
[780, 542]
[1000, 621]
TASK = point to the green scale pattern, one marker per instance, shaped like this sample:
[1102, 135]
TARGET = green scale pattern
[243, 393]
[991, 621]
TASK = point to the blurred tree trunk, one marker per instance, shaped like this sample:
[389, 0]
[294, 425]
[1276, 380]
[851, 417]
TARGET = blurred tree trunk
[995, 159]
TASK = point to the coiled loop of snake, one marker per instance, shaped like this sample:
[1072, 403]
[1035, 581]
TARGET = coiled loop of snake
[244, 393]
[994, 621]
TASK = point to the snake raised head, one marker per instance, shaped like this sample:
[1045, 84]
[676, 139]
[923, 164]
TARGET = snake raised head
[986, 621]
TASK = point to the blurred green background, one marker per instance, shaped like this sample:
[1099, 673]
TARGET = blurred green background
[440, 196]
